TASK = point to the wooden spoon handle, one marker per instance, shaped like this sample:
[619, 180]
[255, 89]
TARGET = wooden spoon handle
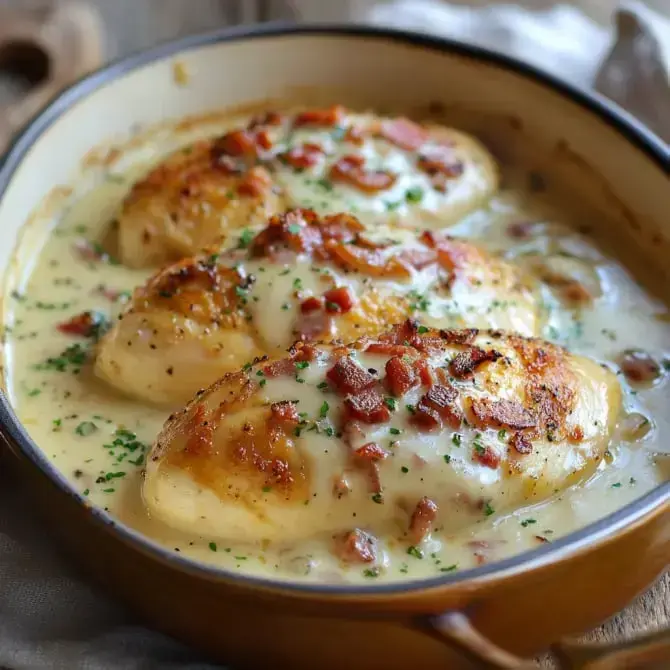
[69, 37]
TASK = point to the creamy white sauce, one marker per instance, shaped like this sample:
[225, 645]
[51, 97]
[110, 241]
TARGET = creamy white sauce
[75, 418]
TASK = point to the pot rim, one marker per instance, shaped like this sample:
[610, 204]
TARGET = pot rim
[576, 542]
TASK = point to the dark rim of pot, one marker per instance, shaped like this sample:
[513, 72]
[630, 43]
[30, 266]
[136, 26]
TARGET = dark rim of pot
[636, 133]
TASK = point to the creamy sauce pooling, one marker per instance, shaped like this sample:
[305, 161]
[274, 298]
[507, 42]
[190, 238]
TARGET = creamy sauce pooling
[100, 439]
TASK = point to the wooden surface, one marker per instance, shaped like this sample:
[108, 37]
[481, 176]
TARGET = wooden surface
[135, 24]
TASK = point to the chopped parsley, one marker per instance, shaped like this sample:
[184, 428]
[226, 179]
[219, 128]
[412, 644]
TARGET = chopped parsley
[447, 458]
[378, 498]
[395, 431]
[371, 572]
[488, 509]
[404, 469]
[294, 229]
[212, 546]
[414, 194]
[422, 330]
[85, 428]
[527, 522]
[457, 438]
[415, 551]
[301, 365]
[323, 410]
[74, 356]
[245, 238]
[391, 403]
[450, 568]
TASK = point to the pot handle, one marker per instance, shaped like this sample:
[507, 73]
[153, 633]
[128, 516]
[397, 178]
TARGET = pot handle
[651, 650]
[56, 46]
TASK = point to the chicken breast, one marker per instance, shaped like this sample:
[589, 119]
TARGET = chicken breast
[330, 160]
[391, 438]
[303, 277]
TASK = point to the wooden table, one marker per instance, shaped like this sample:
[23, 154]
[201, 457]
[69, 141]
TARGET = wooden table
[130, 25]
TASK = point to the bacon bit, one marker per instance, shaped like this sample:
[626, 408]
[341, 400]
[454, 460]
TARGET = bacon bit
[576, 435]
[639, 367]
[389, 349]
[576, 293]
[452, 254]
[400, 376]
[86, 324]
[355, 135]
[237, 143]
[311, 304]
[267, 119]
[520, 230]
[303, 156]
[332, 116]
[339, 300]
[436, 405]
[200, 432]
[303, 231]
[284, 411]
[425, 372]
[373, 263]
[466, 336]
[541, 539]
[367, 406]
[256, 182]
[351, 170]
[428, 344]
[281, 471]
[422, 519]
[347, 376]
[482, 549]
[263, 139]
[486, 455]
[417, 258]
[404, 133]
[440, 160]
[356, 546]
[464, 364]
[341, 486]
[312, 325]
[502, 413]
[286, 366]
[370, 453]
[520, 443]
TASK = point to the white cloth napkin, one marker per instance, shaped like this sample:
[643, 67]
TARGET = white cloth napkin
[50, 617]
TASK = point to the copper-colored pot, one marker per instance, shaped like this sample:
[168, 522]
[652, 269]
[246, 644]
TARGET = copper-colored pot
[496, 613]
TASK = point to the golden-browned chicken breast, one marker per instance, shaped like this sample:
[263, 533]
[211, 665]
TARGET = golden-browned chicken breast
[329, 160]
[395, 437]
[305, 278]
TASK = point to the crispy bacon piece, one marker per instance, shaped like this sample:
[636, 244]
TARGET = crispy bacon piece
[311, 304]
[303, 231]
[313, 325]
[371, 262]
[424, 371]
[351, 170]
[466, 336]
[404, 133]
[438, 405]
[464, 364]
[502, 413]
[520, 443]
[417, 258]
[639, 367]
[422, 519]
[256, 182]
[284, 412]
[486, 455]
[441, 161]
[286, 366]
[367, 406]
[339, 300]
[329, 117]
[348, 377]
[400, 376]
[370, 453]
[303, 156]
[237, 143]
[356, 546]
[86, 324]
[267, 119]
[355, 135]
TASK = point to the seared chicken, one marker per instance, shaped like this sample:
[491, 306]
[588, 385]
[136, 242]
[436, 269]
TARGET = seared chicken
[416, 431]
[329, 160]
[307, 278]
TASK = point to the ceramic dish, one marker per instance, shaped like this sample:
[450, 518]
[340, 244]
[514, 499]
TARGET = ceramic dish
[496, 613]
